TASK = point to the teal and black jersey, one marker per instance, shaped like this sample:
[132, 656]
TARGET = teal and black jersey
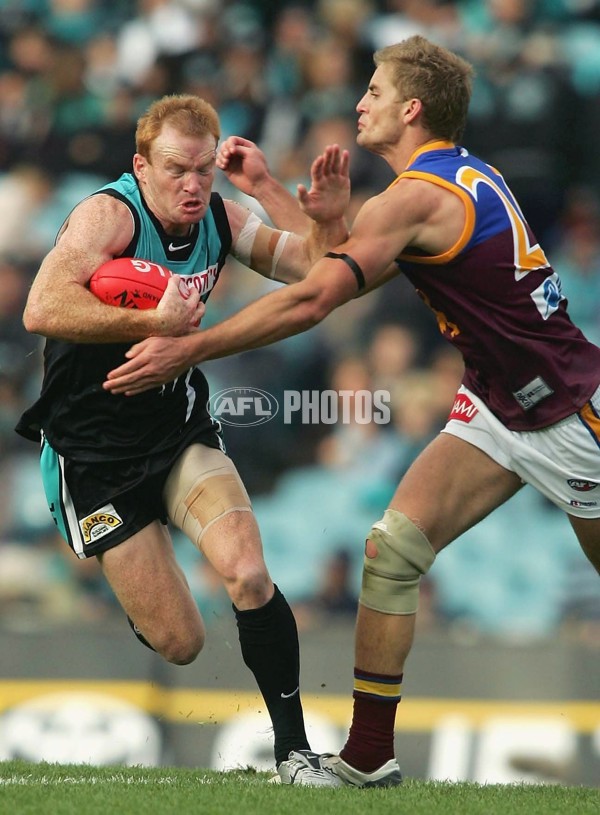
[197, 257]
[84, 422]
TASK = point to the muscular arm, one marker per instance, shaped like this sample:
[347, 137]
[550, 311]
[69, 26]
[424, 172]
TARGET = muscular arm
[374, 244]
[275, 254]
[312, 223]
[377, 238]
[61, 306]
[412, 213]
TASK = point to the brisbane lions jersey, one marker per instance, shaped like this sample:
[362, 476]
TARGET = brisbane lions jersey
[79, 418]
[498, 300]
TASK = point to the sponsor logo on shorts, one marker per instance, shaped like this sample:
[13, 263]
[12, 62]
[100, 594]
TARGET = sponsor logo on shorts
[463, 409]
[580, 485]
[583, 504]
[99, 523]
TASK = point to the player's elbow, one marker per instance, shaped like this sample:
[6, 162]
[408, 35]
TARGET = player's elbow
[34, 319]
[314, 308]
[323, 297]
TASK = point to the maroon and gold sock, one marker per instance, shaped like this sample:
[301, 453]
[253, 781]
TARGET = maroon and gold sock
[371, 739]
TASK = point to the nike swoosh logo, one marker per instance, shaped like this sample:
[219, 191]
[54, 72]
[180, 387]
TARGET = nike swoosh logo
[173, 248]
[289, 695]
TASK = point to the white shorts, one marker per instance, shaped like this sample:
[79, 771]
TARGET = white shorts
[561, 461]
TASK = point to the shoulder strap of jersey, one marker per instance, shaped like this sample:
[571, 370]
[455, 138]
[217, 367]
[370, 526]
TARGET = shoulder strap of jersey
[130, 250]
[222, 223]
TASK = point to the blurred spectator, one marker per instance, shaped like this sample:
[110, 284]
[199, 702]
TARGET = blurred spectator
[391, 353]
[37, 583]
[348, 21]
[19, 360]
[447, 367]
[435, 19]
[24, 112]
[398, 303]
[577, 261]
[73, 21]
[368, 172]
[101, 75]
[336, 596]
[24, 191]
[293, 33]
[159, 27]
[329, 81]
[359, 446]
[74, 114]
[243, 93]
[416, 415]
[525, 113]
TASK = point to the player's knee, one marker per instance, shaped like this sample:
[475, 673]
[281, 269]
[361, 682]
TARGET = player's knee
[181, 649]
[249, 587]
[391, 578]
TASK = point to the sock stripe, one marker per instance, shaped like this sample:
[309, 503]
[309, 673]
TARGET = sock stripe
[384, 680]
[379, 690]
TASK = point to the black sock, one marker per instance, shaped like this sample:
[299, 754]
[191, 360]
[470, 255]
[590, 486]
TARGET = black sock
[269, 643]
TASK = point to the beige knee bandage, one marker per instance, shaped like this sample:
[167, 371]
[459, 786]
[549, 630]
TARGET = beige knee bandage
[391, 579]
[203, 486]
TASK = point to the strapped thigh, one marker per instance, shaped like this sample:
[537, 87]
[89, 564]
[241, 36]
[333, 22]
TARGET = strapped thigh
[202, 487]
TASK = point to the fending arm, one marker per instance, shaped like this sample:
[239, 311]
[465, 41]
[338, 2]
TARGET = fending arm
[289, 310]
[327, 200]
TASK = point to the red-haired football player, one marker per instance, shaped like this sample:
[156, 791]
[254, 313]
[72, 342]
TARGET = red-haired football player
[116, 467]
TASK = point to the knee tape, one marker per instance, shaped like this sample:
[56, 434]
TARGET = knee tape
[391, 579]
[203, 487]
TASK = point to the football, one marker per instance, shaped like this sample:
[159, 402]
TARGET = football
[130, 283]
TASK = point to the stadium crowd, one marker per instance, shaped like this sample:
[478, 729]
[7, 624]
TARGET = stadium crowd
[74, 77]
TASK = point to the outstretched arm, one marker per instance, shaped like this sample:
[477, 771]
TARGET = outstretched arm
[410, 213]
[332, 281]
[289, 310]
[287, 252]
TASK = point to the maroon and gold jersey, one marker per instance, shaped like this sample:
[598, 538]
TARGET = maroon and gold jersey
[498, 300]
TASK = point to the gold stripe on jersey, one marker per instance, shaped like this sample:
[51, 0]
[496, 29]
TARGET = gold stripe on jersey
[469, 219]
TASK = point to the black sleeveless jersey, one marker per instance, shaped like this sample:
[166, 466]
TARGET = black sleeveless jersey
[84, 422]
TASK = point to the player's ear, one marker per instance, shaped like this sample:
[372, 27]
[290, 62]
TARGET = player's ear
[411, 108]
[139, 166]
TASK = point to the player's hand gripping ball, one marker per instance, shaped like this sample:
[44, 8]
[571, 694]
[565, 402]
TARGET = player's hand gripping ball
[132, 283]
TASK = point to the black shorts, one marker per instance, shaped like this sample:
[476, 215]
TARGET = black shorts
[97, 505]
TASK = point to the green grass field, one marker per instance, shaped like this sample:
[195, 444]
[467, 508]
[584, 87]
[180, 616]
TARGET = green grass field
[52, 789]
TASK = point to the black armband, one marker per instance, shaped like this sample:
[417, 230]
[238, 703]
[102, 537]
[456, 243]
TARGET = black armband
[352, 265]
